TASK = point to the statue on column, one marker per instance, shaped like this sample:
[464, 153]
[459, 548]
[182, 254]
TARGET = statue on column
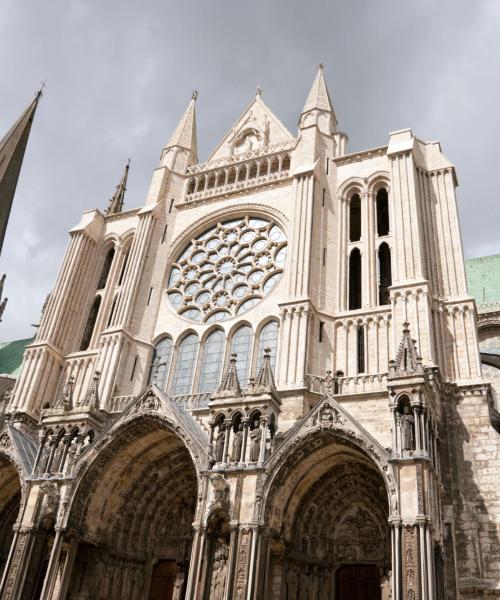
[407, 424]
[219, 443]
[255, 437]
[237, 444]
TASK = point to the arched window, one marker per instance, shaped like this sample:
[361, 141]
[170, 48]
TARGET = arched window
[384, 273]
[124, 266]
[268, 338]
[360, 341]
[160, 364]
[241, 345]
[355, 279]
[211, 364]
[382, 212]
[106, 267]
[355, 218]
[89, 327]
[184, 366]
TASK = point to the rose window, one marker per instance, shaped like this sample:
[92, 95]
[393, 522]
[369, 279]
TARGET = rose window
[228, 269]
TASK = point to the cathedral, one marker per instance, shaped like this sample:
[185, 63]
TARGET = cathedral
[264, 383]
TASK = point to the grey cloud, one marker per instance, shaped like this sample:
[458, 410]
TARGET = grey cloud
[119, 75]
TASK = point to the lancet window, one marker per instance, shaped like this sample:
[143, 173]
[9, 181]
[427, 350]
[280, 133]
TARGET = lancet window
[106, 267]
[355, 218]
[241, 345]
[382, 203]
[160, 365]
[355, 289]
[384, 273]
[90, 326]
[268, 338]
[185, 364]
[211, 362]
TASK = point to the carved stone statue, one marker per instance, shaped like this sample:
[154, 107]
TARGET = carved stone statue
[219, 443]
[385, 586]
[178, 586]
[407, 423]
[255, 437]
[237, 444]
[219, 573]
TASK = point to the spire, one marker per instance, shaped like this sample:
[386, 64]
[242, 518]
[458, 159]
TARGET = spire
[12, 148]
[319, 102]
[230, 384]
[116, 202]
[185, 134]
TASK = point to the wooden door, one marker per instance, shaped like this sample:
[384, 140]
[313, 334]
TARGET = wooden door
[357, 582]
[163, 580]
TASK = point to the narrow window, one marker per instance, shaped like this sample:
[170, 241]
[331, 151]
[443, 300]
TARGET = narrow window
[355, 218]
[171, 205]
[323, 198]
[384, 273]
[321, 331]
[382, 212]
[160, 365]
[211, 363]
[112, 311]
[124, 266]
[133, 368]
[150, 294]
[163, 237]
[241, 345]
[324, 256]
[268, 339]
[185, 364]
[361, 349]
[106, 267]
[89, 327]
[355, 279]
[328, 166]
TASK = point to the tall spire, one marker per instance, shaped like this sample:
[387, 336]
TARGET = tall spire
[319, 99]
[12, 148]
[185, 134]
[116, 202]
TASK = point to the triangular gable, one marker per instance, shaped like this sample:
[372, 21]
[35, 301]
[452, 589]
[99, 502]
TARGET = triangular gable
[153, 402]
[258, 127]
[329, 414]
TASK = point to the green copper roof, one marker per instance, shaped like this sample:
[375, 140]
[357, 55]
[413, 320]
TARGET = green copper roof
[11, 356]
[483, 278]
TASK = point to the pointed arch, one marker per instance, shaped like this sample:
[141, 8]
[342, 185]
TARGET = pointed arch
[185, 364]
[355, 279]
[355, 218]
[268, 338]
[212, 359]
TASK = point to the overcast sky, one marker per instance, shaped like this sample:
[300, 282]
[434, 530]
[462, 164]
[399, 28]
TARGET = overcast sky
[120, 73]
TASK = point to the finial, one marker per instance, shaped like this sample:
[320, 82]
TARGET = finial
[194, 95]
[259, 90]
[321, 66]
[39, 94]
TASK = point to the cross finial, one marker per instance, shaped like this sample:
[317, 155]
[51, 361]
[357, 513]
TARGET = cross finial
[321, 66]
[194, 95]
[259, 90]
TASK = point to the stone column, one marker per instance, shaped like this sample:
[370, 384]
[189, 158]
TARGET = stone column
[263, 440]
[243, 456]
[52, 567]
[410, 563]
[17, 567]
[227, 428]
[231, 562]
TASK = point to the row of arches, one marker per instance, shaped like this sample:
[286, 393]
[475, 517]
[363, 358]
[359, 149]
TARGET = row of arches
[101, 315]
[239, 173]
[191, 366]
[368, 226]
[384, 276]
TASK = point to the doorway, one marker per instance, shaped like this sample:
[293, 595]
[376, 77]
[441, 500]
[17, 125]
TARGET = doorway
[163, 580]
[357, 582]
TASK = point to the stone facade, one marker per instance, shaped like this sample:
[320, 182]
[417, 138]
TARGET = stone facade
[264, 383]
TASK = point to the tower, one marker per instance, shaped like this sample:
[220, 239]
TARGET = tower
[259, 383]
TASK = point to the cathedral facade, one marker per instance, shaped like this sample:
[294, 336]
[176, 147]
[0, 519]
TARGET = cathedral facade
[264, 383]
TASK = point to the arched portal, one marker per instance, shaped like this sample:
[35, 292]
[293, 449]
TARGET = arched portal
[333, 539]
[10, 502]
[133, 511]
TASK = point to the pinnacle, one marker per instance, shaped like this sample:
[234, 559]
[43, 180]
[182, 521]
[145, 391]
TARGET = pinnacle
[319, 97]
[185, 133]
[116, 202]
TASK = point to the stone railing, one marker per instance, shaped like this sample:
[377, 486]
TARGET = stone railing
[243, 175]
[357, 384]
[192, 401]
[119, 403]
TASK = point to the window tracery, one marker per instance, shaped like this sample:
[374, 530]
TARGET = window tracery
[228, 269]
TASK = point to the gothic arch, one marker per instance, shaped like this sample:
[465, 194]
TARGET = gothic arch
[135, 501]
